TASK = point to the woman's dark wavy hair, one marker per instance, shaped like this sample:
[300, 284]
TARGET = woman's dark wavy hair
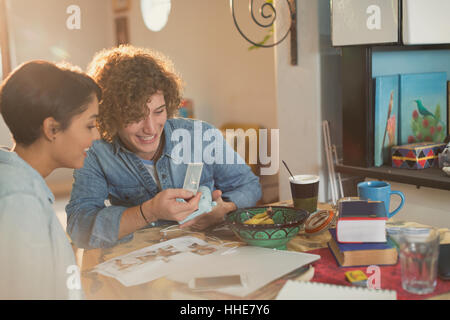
[128, 77]
[39, 89]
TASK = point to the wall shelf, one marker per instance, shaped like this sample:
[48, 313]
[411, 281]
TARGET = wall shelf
[359, 64]
[431, 177]
[358, 120]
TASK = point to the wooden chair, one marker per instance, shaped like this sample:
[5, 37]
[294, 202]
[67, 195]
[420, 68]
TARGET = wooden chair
[269, 184]
[245, 127]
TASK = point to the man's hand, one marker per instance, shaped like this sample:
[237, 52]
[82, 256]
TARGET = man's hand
[164, 205]
[216, 216]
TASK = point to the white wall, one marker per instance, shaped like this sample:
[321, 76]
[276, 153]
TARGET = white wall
[424, 205]
[310, 92]
[37, 30]
[227, 82]
[299, 101]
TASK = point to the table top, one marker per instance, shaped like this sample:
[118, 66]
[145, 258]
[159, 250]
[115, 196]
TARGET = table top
[97, 286]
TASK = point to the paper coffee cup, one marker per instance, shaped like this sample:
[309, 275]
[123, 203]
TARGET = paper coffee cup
[305, 190]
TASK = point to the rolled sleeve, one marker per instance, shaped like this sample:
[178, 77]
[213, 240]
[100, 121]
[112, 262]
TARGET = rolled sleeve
[239, 198]
[95, 229]
[244, 194]
[237, 181]
[90, 223]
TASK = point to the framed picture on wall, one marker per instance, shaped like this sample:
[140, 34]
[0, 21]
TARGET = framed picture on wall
[121, 5]
[422, 107]
[122, 36]
[186, 108]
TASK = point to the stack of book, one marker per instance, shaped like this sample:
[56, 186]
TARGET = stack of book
[362, 254]
[360, 235]
[361, 221]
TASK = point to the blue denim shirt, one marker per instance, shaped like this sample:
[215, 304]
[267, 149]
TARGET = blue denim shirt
[112, 172]
[35, 253]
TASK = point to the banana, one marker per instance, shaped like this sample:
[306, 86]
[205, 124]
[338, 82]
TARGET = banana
[260, 218]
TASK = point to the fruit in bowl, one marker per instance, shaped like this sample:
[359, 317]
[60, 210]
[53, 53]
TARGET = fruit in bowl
[269, 227]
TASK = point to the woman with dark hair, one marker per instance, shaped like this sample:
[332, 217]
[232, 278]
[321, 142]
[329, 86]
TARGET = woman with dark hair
[51, 112]
[135, 165]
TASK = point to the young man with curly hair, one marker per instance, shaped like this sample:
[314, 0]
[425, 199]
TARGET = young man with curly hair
[133, 165]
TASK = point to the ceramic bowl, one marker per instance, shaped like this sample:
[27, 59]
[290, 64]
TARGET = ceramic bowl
[287, 223]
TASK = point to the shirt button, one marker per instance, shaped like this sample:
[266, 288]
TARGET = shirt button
[164, 176]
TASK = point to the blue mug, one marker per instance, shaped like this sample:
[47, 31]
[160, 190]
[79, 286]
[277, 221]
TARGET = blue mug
[380, 191]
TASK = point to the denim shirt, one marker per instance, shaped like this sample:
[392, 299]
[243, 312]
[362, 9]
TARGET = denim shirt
[113, 173]
[36, 258]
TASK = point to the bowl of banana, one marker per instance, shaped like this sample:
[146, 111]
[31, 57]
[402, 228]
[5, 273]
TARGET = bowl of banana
[269, 227]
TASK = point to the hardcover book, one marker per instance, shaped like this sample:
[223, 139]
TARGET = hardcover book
[361, 208]
[362, 254]
[359, 230]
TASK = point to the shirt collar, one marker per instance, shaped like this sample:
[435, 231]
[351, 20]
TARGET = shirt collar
[117, 145]
[168, 146]
[13, 157]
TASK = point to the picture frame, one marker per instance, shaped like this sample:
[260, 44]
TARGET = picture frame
[122, 34]
[387, 93]
[121, 5]
[423, 112]
[186, 108]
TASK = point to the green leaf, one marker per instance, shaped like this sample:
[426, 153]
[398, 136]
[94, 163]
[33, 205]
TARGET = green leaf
[264, 40]
[424, 132]
[414, 126]
[437, 113]
[431, 121]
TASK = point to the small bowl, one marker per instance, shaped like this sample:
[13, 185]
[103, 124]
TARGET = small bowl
[287, 223]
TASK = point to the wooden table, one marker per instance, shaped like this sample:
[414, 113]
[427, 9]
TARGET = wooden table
[97, 286]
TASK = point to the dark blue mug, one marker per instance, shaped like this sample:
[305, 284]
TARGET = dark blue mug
[380, 191]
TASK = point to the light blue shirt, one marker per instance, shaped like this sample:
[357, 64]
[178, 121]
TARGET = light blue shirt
[36, 258]
[112, 172]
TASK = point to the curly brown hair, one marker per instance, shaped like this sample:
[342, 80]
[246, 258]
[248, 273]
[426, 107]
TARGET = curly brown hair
[128, 77]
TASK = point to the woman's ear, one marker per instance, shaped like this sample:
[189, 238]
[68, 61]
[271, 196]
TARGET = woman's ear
[50, 128]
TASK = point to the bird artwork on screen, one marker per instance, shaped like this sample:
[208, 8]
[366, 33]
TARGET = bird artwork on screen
[423, 112]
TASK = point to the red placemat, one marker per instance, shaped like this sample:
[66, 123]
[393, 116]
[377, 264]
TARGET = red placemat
[328, 271]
